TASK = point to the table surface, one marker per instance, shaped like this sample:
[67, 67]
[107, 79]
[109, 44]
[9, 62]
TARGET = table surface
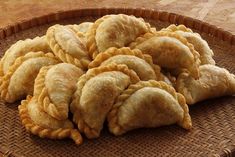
[217, 12]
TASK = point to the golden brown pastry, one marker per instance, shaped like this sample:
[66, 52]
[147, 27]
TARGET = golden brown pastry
[81, 29]
[95, 95]
[134, 59]
[213, 82]
[199, 44]
[19, 49]
[73, 27]
[84, 27]
[114, 31]
[169, 50]
[67, 46]
[169, 79]
[39, 123]
[148, 104]
[54, 87]
[19, 79]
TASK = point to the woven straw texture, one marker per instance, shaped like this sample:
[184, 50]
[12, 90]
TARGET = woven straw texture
[213, 132]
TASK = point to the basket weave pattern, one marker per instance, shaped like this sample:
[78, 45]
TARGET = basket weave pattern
[213, 132]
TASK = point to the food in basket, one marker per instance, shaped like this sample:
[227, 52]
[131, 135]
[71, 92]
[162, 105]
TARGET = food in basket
[137, 77]
[200, 45]
[18, 82]
[114, 31]
[81, 30]
[20, 48]
[54, 87]
[67, 46]
[213, 82]
[134, 59]
[169, 50]
[148, 104]
[96, 93]
[38, 122]
[84, 27]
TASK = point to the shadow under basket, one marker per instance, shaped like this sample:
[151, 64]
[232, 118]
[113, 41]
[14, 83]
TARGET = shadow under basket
[213, 132]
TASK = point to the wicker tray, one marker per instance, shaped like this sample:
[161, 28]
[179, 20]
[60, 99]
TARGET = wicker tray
[213, 132]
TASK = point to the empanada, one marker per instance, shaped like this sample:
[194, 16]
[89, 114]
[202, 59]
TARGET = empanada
[95, 95]
[67, 46]
[134, 59]
[114, 31]
[169, 50]
[148, 104]
[199, 44]
[20, 48]
[73, 27]
[38, 122]
[213, 82]
[19, 79]
[81, 30]
[54, 87]
[84, 27]
[169, 79]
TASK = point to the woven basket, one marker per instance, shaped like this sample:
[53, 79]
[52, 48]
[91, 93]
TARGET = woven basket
[213, 132]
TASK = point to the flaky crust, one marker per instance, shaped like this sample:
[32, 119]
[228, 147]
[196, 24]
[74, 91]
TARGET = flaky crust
[81, 28]
[111, 52]
[74, 27]
[43, 132]
[192, 67]
[77, 118]
[63, 52]
[44, 96]
[112, 118]
[9, 96]
[175, 28]
[84, 27]
[200, 45]
[213, 82]
[20, 48]
[130, 28]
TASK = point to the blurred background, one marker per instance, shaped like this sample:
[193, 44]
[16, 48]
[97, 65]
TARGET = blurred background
[217, 12]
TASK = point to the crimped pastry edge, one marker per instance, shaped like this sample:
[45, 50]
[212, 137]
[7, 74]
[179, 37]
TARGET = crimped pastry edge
[116, 129]
[61, 53]
[83, 126]
[45, 132]
[109, 53]
[5, 81]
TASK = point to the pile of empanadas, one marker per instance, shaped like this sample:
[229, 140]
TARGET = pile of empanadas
[118, 69]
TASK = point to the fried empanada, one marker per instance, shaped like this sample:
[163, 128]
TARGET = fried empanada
[38, 122]
[19, 49]
[213, 82]
[54, 87]
[169, 79]
[19, 80]
[95, 95]
[73, 27]
[82, 27]
[199, 44]
[169, 50]
[148, 104]
[114, 31]
[67, 46]
[142, 64]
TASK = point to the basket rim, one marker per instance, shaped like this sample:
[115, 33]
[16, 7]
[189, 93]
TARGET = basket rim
[152, 14]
